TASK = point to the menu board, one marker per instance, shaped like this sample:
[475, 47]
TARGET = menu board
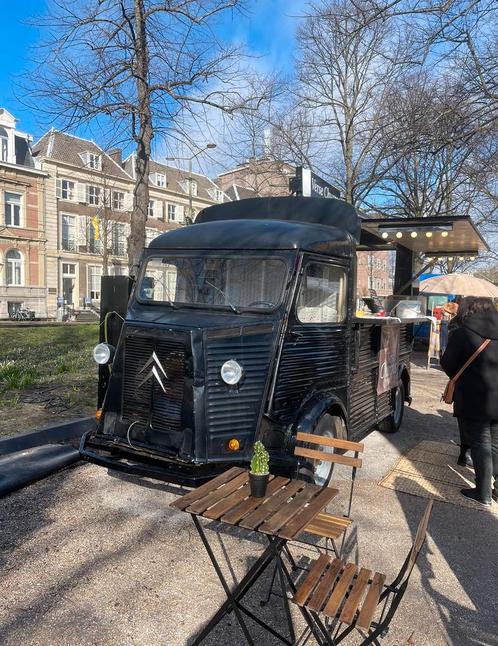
[388, 359]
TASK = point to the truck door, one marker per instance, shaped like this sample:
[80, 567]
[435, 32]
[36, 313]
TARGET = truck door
[315, 356]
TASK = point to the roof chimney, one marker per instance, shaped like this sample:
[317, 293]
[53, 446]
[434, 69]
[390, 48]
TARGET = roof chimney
[116, 154]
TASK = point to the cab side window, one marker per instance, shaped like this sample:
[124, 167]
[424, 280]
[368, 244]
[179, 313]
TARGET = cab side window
[322, 297]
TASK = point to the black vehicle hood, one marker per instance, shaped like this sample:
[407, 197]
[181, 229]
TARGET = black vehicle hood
[485, 324]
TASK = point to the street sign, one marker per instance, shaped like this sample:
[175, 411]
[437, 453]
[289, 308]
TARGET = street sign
[310, 185]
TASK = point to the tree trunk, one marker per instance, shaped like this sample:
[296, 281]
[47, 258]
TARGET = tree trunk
[104, 240]
[136, 240]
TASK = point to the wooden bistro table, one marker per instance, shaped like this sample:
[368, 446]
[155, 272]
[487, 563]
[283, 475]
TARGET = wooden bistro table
[289, 505]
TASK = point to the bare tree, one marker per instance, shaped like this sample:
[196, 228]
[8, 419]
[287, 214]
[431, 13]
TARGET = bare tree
[346, 63]
[427, 172]
[139, 66]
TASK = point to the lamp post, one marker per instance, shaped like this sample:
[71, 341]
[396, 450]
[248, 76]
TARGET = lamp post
[190, 160]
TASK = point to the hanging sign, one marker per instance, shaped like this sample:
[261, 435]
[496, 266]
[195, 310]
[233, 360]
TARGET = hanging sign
[310, 185]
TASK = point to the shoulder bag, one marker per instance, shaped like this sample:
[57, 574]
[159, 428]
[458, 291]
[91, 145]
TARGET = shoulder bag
[449, 391]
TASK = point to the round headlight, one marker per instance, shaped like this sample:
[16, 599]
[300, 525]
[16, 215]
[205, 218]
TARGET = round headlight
[231, 372]
[103, 353]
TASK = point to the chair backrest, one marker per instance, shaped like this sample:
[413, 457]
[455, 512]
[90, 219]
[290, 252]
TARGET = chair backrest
[420, 535]
[418, 542]
[398, 587]
[330, 442]
[345, 446]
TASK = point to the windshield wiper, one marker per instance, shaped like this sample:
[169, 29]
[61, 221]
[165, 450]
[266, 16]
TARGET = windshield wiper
[168, 295]
[231, 305]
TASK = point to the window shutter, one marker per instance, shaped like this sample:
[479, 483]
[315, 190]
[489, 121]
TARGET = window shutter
[81, 192]
[180, 213]
[58, 187]
[128, 202]
[82, 231]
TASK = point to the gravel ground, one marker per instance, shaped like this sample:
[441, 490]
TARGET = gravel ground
[86, 558]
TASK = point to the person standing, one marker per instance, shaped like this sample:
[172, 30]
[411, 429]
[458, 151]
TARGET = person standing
[475, 402]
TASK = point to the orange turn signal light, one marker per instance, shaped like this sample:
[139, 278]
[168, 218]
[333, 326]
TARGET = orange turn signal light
[98, 414]
[233, 444]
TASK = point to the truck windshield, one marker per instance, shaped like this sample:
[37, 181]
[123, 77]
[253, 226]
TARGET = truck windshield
[234, 282]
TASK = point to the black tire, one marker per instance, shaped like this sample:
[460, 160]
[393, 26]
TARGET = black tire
[392, 424]
[320, 473]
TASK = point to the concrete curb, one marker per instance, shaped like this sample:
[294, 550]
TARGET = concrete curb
[48, 435]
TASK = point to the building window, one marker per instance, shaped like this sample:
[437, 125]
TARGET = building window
[92, 194]
[94, 276]
[152, 206]
[15, 266]
[160, 180]
[118, 270]
[93, 161]
[4, 145]
[218, 195]
[322, 298]
[12, 209]
[67, 190]
[172, 212]
[68, 269]
[118, 199]
[118, 239]
[150, 234]
[193, 187]
[68, 237]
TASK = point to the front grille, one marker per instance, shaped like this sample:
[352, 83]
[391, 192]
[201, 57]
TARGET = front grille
[235, 411]
[147, 403]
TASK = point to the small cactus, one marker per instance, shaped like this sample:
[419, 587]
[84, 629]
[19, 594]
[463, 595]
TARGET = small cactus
[260, 459]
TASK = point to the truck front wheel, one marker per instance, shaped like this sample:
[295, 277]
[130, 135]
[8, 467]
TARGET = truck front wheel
[320, 471]
[392, 423]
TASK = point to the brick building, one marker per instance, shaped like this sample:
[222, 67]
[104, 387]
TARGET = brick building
[263, 177]
[22, 226]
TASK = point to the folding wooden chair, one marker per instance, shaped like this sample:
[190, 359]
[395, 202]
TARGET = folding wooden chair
[324, 525]
[349, 595]
[327, 525]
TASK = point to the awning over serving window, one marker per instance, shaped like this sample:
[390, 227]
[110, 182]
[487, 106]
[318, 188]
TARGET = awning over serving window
[437, 236]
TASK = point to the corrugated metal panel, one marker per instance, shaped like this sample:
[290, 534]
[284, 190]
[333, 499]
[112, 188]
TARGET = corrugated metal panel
[148, 403]
[234, 410]
[364, 383]
[314, 358]
[366, 406]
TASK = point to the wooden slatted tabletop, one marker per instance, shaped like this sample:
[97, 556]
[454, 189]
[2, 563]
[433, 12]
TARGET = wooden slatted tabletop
[288, 507]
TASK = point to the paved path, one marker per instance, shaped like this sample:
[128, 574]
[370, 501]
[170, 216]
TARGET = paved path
[86, 558]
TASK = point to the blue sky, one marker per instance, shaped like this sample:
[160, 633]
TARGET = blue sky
[267, 30]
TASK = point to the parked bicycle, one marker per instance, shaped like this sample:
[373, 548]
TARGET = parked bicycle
[23, 314]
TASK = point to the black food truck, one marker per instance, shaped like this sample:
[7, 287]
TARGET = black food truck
[242, 327]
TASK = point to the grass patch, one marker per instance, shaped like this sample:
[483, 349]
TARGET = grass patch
[13, 377]
[55, 359]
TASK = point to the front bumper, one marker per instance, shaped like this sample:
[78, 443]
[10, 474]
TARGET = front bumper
[113, 454]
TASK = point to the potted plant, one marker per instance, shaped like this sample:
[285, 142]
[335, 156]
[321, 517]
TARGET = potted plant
[259, 473]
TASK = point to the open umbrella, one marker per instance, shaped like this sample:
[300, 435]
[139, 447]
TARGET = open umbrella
[461, 284]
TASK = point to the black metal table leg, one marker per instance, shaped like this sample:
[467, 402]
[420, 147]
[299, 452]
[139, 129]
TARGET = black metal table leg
[234, 596]
[231, 597]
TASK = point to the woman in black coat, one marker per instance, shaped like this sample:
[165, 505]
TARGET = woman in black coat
[476, 391]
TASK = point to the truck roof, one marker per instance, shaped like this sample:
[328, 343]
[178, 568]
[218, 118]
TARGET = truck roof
[328, 212]
[257, 235]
